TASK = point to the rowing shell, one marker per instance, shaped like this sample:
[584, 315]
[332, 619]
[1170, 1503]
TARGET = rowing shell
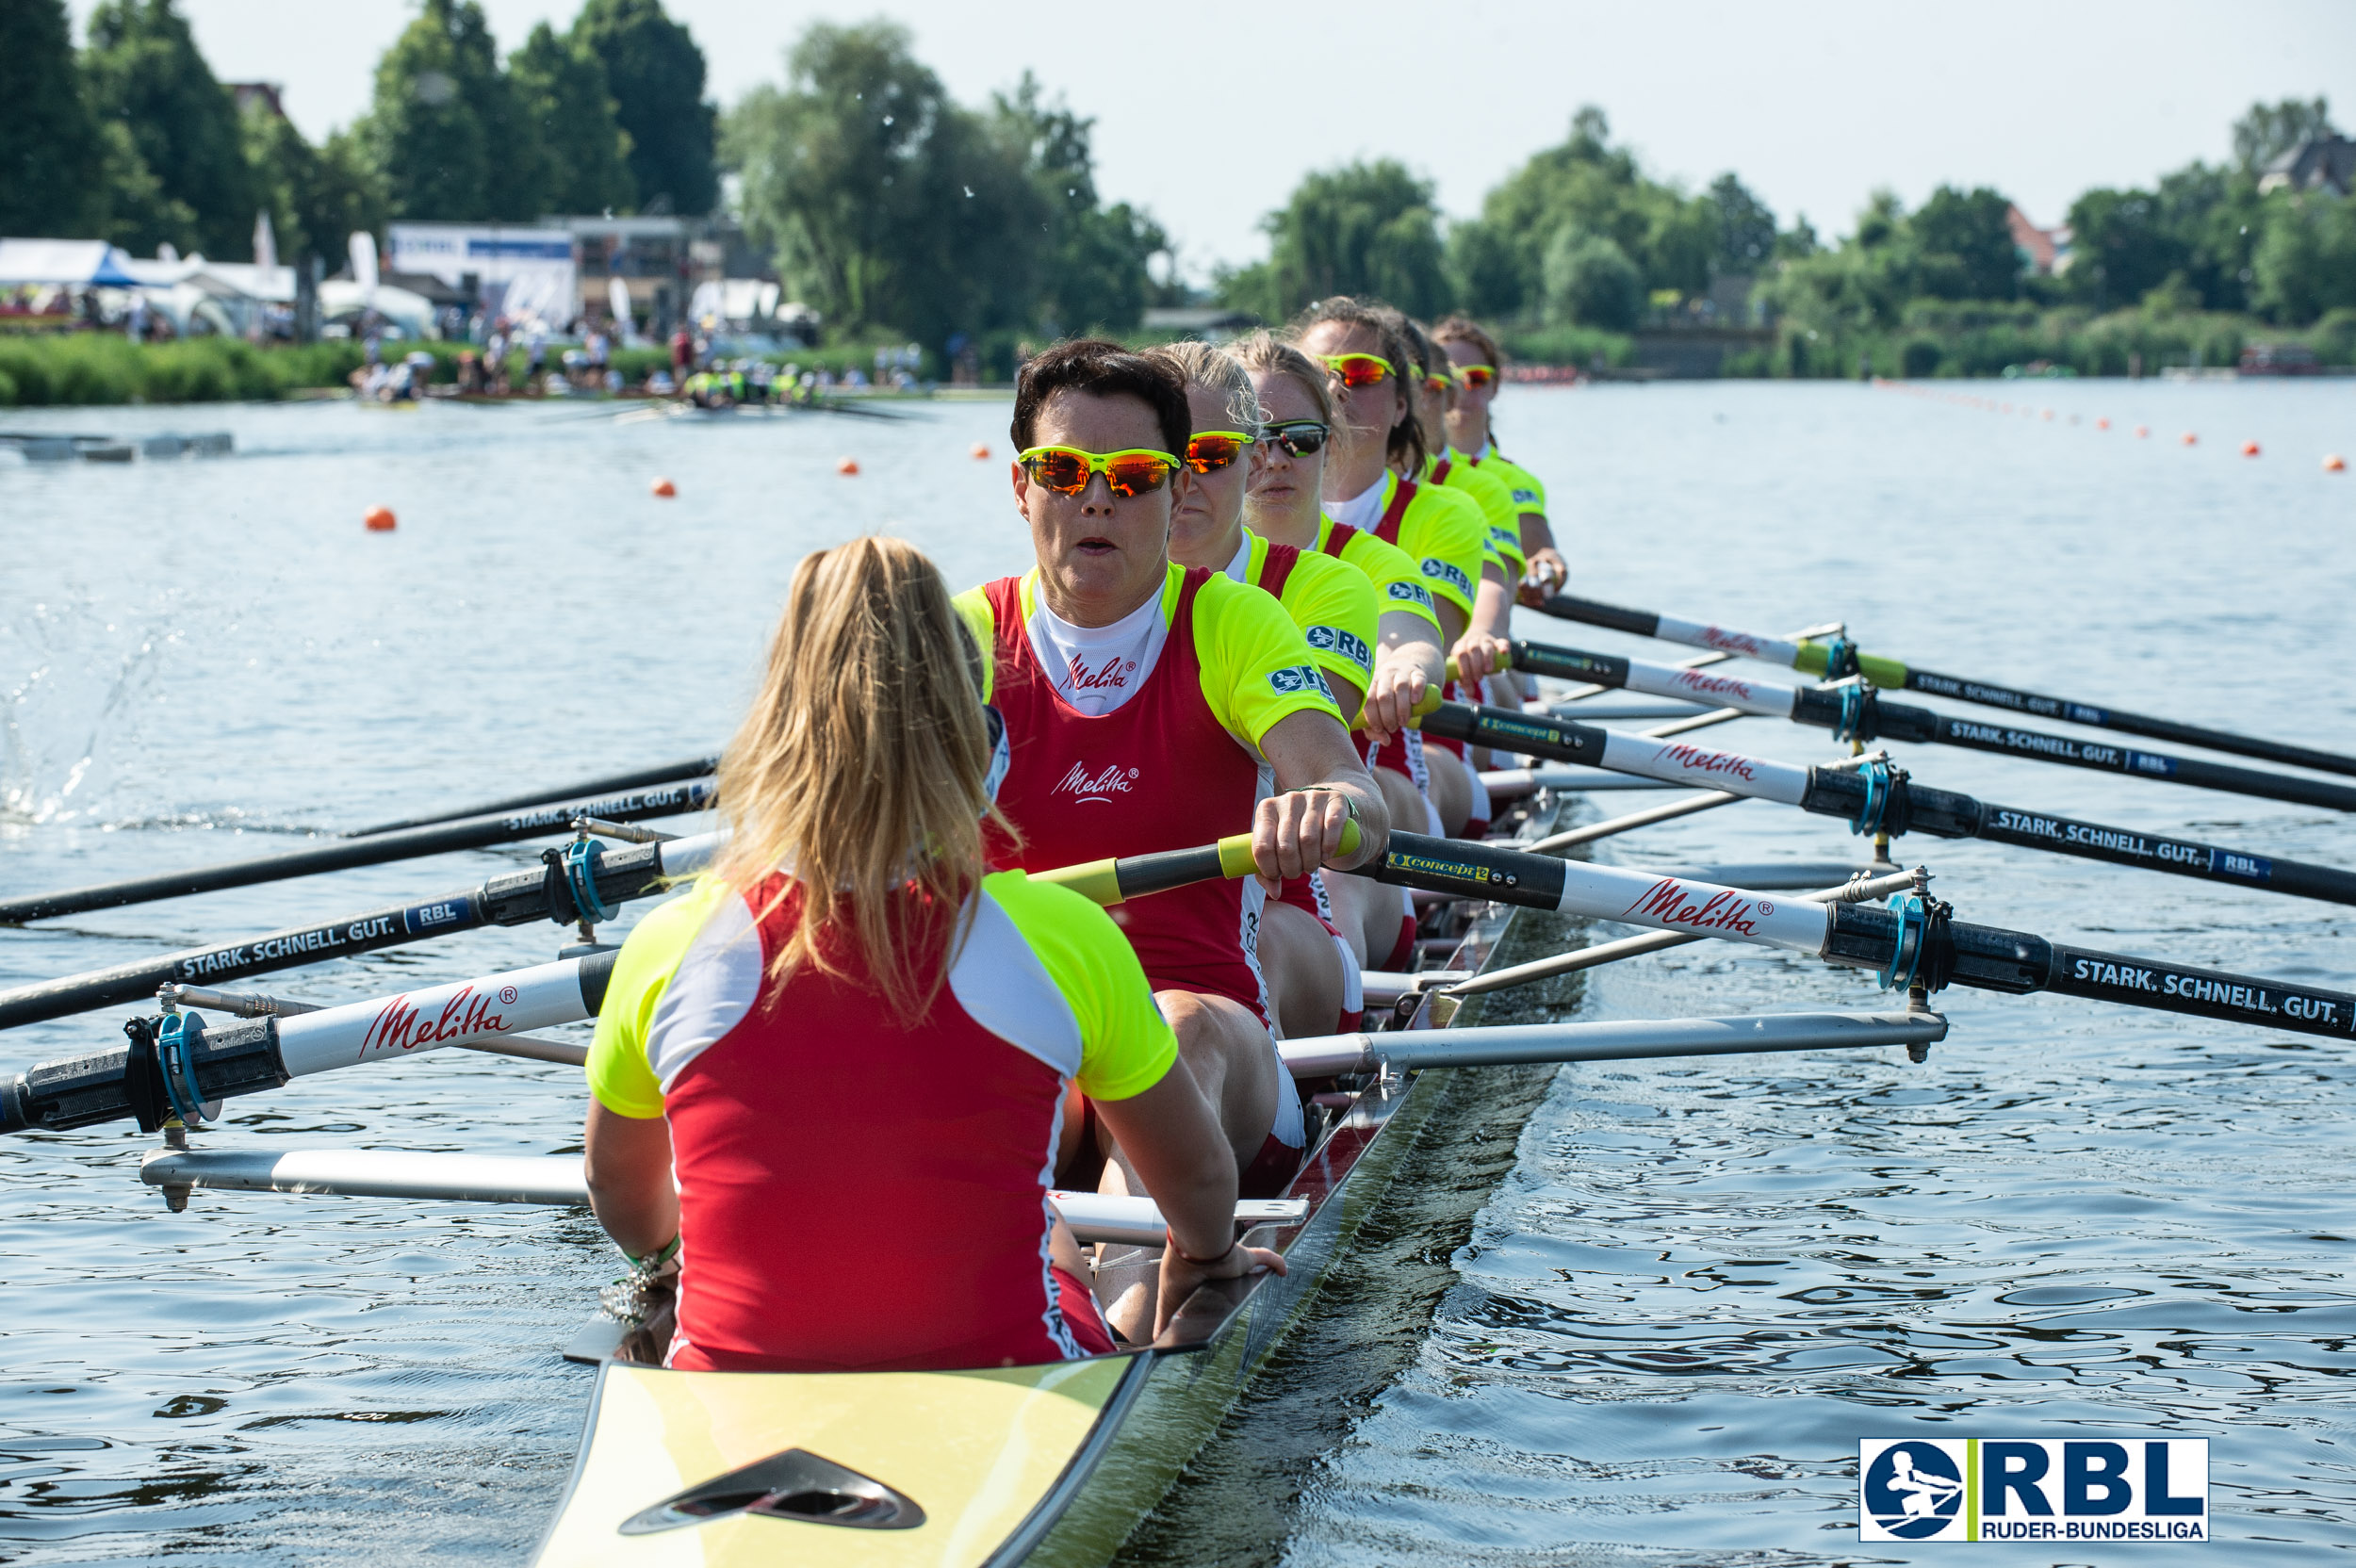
[1051, 1465]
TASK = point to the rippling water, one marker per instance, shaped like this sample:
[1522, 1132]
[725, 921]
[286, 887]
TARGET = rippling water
[1655, 1340]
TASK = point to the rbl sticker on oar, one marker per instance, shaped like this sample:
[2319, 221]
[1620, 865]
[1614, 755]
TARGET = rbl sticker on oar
[2033, 1489]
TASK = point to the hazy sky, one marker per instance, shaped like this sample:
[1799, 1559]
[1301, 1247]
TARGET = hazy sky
[1208, 116]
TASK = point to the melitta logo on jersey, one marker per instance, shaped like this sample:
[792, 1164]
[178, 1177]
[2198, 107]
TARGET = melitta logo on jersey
[1333, 639]
[1096, 788]
[2033, 1489]
[1112, 676]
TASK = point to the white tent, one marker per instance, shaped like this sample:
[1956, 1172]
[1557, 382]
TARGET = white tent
[67, 263]
[412, 313]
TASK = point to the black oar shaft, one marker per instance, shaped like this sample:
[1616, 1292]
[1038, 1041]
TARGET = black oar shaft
[694, 767]
[517, 899]
[474, 833]
[2129, 723]
[1913, 808]
[1870, 718]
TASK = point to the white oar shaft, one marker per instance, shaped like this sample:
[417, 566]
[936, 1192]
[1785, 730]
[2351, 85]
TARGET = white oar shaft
[459, 1013]
[1750, 644]
[1616, 1040]
[1725, 690]
[1703, 908]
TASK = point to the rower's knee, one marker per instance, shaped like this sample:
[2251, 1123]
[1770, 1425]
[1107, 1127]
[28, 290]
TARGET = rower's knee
[1303, 966]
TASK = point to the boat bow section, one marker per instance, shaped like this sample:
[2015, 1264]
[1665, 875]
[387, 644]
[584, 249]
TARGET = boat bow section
[713, 1468]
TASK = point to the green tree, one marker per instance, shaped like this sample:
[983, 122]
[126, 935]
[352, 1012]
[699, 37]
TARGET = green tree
[2122, 249]
[1093, 265]
[49, 154]
[887, 203]
[1484, 269]
[1746, 228]
[1366, 229]
[440, 93]
[316, 197]
[1590, 281]
[2269, 130]
[1967, 247]
[656, 75]
[1596, 189]
[2306, 262]
[560, 87]
[146, 76]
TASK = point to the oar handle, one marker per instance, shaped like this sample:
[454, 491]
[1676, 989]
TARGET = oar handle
[1505, 662]
[1116, 881]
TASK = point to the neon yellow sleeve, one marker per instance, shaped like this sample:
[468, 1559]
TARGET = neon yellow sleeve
[1398, 585]
[1445, 533]
[1126, 1046]
[1255, 664]
[975, 606]
[1529, 493]
[619, 1074]
[1498, 511]
[1334, 607]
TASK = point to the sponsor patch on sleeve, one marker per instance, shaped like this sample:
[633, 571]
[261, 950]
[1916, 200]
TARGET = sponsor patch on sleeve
[1333, 639]
[1298, 677]
[1528, 498]
[1447, 572]
[1411, 592]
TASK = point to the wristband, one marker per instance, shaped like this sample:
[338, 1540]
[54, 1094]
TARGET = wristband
[1171, 1237]
[655, 1259]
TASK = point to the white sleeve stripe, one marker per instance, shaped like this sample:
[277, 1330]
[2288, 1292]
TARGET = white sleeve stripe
[717, 983]
[1001, 984]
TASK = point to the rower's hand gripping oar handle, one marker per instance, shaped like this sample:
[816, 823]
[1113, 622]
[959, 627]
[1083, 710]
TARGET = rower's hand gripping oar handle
[1116, 881]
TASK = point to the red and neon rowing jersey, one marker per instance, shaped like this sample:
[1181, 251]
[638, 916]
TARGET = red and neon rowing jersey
[1331, 603]
[1440, 528]
[1489, 490]
[1170, 760]
[801, 1107]
[1529, 493]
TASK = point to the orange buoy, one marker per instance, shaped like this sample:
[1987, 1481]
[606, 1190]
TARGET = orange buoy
[2190, 439]
[847, 466]
[380, 520]
[2336, 464]
[2049, 413]
[981, 449]
[2102, 424]
[664, 488]
[2249, 449]
[2142, 431]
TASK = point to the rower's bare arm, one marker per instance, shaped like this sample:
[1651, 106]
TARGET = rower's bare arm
[1408, 662]
[1480, 648]
[628, 1162]
[1173, 1142]
[1323, 784]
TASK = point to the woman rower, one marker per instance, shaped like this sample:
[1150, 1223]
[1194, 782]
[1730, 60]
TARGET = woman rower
[1313, 970]
[1377, 443]
[1284, 506]
[1479, 366]
[1152, 706]
[897, 1051]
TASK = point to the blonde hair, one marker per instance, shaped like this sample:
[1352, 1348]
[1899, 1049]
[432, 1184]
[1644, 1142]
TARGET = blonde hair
[1216, 368]
[1264, 351]
[862, 770]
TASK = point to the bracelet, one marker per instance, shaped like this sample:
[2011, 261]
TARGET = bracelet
[1171, 1237]
[655, 1259]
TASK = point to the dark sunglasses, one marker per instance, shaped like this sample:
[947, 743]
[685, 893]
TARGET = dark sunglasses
[1299, 437]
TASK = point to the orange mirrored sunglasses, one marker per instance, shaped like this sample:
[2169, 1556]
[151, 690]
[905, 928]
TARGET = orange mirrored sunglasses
[1209, 450]
[1065, 470]
[1357, 371]
[1477, 375]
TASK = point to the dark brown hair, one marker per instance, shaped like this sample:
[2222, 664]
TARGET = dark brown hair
[1101, 370]
[1404, 446]
[1463, 329]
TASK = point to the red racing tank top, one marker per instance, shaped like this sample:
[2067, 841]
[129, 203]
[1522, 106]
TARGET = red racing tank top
[970, 1123]
[1159, 772]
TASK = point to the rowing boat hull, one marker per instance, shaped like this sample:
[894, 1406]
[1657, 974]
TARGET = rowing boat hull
[1048, 1465]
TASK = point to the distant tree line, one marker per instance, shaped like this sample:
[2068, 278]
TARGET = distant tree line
[132, 138]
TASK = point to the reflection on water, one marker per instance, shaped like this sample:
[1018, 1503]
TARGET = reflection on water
[1655, 1340]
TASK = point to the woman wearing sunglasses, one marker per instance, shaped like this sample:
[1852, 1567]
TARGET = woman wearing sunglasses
[1284, 506]
[1312, 968]
[1150, 707]
[1478, 365]
[1376, 440]
[898, 1048]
